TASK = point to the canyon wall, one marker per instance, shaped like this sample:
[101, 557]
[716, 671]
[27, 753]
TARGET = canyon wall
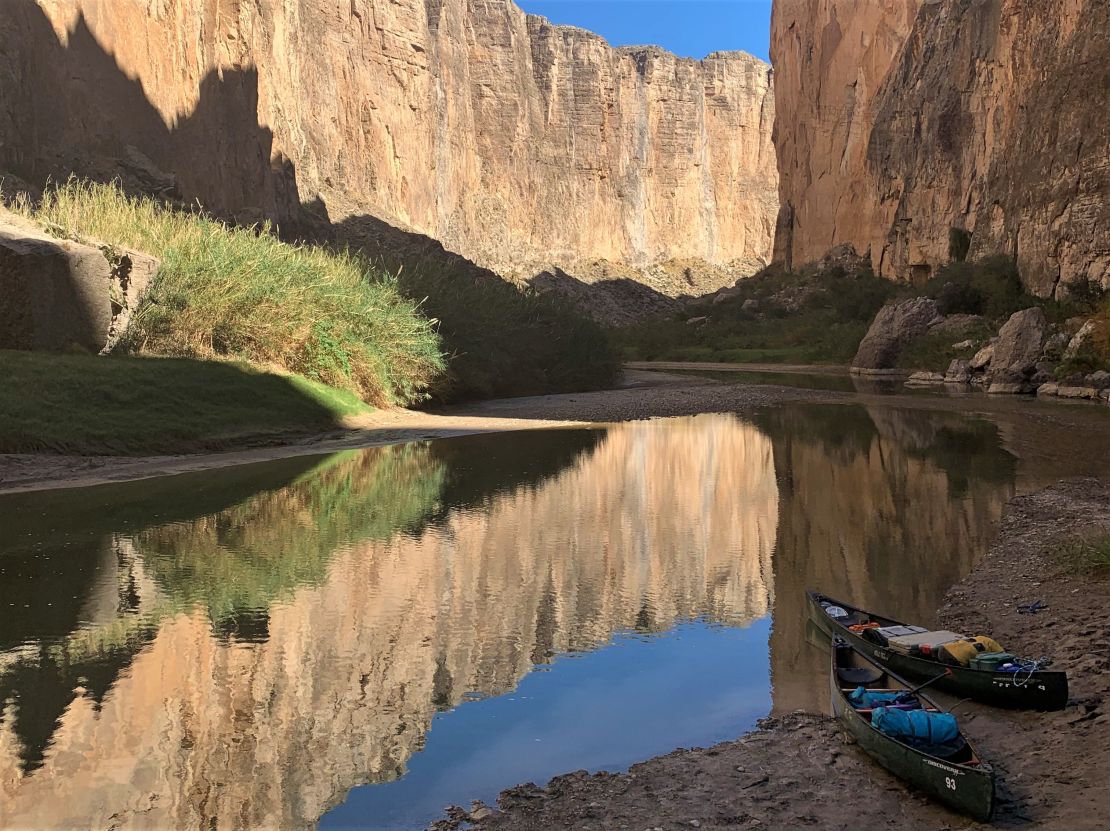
[519, 144]
[901, 120]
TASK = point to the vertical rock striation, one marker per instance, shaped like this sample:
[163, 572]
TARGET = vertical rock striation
[519, 144]
[899, 121]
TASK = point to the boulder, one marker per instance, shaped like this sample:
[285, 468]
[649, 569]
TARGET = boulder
[1020, 341]
[54, 294]
[1099, 380]
[1008, 387]
[1055, 346]
[1084, 340]
[983, 357]
[893, 327]
[1088, 393]
[925, 379]
[959, 372]
[724, 295]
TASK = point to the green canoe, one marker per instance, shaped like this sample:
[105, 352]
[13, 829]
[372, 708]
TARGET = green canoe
[1038, 690]
[959, 779]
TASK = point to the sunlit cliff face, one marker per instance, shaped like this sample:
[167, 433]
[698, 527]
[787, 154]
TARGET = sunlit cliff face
[512, 141]
[298, 643]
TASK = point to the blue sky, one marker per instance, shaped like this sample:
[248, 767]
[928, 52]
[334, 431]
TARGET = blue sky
[692, 28]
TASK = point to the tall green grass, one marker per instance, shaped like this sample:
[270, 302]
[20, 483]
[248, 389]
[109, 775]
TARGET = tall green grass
[241, 293]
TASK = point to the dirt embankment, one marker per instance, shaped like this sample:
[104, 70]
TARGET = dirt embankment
[797, 771]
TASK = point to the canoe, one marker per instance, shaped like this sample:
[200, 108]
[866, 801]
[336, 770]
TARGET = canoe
[959, 779]
[1038, 690]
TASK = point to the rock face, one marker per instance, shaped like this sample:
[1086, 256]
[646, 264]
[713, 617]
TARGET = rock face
[60, 295]
[893, 327]
[514, 142]
[905, 125]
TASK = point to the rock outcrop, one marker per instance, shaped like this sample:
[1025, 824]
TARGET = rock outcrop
[1020, 341]
[516, 143]
[920, 130]
[61, 295]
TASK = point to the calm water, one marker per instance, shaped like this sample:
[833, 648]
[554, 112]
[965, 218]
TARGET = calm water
[361, 639]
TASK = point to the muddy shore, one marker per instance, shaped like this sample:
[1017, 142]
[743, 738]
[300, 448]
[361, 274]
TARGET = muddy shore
[797, 771]
[643, 395]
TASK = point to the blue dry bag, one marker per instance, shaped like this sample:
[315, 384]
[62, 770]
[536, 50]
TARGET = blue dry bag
[864, 699]
[916, 727]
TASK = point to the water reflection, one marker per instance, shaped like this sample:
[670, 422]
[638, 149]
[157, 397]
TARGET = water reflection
[243, 648]
[884, 506]
[240, 649]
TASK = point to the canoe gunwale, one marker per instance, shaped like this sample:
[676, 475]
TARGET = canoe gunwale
[922, 770]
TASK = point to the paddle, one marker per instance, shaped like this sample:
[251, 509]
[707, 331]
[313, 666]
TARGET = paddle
[916, 690]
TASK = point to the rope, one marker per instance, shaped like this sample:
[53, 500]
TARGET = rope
[1030, 667]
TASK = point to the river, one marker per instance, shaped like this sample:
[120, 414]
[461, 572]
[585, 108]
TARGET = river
[359, 640]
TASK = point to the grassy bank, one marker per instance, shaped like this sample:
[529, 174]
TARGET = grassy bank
[138, 405]
[226, 292]
[390, 336]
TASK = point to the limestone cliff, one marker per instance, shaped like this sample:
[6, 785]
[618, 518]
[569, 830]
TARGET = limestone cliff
[519, 144]
[899, 121]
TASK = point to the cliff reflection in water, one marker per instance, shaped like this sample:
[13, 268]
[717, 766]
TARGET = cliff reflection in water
[239, 649]
[881, 506]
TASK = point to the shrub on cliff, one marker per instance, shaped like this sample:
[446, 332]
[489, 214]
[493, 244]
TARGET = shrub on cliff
[244, 294]
[990, 287]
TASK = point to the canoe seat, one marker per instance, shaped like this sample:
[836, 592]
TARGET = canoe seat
[855, 676]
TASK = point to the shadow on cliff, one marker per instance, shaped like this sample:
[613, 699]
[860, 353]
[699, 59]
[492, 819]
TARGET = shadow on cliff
[74, 111]
[618, 301]
[71, 109]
